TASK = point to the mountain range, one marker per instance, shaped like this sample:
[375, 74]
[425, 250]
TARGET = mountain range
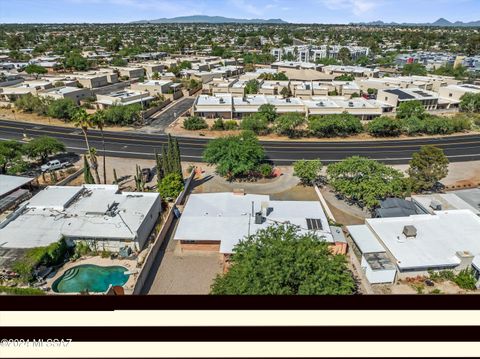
[440, 22]
[204, 19]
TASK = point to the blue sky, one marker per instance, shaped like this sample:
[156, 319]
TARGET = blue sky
[305, 11]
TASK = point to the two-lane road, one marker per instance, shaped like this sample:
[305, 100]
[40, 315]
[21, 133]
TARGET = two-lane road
[140, 145]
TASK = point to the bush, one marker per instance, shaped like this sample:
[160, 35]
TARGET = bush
[334, 125]
[433, 125]
[122, 115]
[218, 125]
[466, 279]
[255, 123]
[62, 108]
[194, 123]
[30, 103]
[52, 254]
[412, 125]
[230, 125]
[21, 291]
[171, 186]
[307, 171]
[385, 126]
[265, 169]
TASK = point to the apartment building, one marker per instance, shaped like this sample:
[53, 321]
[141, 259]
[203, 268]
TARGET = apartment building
[130, 72]
[311, 53]
[395, 96]
[455, 92]
[13, 92]
[74, 93]
[153, 87]
[123, 98]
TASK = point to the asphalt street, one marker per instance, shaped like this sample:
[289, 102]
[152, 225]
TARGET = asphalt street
[141, 145]
[161, 121]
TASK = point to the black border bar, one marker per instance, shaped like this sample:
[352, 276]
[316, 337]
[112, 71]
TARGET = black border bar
[210, 302]
[248, 334]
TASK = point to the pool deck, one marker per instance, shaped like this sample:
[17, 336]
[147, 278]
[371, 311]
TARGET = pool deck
[131, 265]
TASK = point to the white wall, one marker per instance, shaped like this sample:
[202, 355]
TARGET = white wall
[378, 276]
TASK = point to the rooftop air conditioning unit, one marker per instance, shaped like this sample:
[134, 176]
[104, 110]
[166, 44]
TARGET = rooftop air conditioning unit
[435, 205]
[409, 231]
[350, 104]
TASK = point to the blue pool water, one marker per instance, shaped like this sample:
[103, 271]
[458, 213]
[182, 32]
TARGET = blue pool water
[91, 277]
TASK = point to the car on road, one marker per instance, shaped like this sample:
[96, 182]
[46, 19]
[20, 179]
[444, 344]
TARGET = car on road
[54, 165]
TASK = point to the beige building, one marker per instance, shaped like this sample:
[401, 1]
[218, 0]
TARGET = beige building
[11, 93]
[153, 87]
[74, 93]
[455, 92]
[123, 98]
[130, 72]
[395, 96]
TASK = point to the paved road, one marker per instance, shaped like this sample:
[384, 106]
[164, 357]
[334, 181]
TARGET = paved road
[164, 119]
[142, 145]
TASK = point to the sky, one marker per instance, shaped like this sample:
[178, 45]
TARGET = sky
[296, 11]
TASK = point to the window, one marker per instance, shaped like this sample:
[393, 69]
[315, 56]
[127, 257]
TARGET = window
[314, 224]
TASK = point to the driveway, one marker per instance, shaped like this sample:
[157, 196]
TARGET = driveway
[163, 119]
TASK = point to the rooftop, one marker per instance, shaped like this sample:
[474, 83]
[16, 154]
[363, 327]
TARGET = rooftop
[227, 217]
[89, 211]
[10, 183]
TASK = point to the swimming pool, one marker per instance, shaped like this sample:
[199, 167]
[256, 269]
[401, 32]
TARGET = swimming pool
[90, 277]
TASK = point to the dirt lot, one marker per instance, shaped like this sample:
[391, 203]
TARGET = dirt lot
[418, 287]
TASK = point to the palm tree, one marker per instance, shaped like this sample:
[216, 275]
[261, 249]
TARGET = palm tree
[81, 119]
[98, 120]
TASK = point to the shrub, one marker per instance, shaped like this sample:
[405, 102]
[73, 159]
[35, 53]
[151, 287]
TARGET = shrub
[265, 169]
[334, 125]
[62, 108]
[230, 125]
[52, 254]
[466, 279]
[307, 171]
[288, 124]
[255, 123]
[21, 291]
[413, 125]
[433, 125]
[171, 186]
[122, 115]
[30, 103]
[218, 125]
[385, 126]
[194, 123]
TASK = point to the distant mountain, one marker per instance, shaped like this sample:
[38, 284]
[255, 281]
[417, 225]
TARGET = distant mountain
[204, 19]
[440, 23]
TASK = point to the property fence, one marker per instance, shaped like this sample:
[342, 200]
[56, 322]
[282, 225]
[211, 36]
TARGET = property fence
[162, 234]
[70, 178]
[151, 111]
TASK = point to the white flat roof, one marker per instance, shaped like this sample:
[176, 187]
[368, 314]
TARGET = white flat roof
[365, 239]
[226, 217]
[439, 238]
[447, 200]
[77, 212]
[10, 183]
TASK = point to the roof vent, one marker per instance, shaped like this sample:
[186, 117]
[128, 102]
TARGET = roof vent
[435, 205]
[409, 231]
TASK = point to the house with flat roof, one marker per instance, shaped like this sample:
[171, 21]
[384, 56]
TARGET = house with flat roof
[216, 106]
[455, 92]
[74, 93]
[11, 93]
[461, 199]
[219, 221]
[123, 98]
[100, 215]
[130, 72]
[402, 247]
[13, 189]
[153, 87]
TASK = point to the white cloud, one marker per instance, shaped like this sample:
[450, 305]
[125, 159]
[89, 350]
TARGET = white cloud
[357, 7]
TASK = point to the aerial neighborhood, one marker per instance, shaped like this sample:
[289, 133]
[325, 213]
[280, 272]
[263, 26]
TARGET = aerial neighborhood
[239, 158]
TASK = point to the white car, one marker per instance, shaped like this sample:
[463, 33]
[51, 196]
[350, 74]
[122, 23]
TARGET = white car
[54, 165]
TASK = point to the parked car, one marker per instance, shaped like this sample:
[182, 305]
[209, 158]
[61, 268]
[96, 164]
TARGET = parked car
[54, 165]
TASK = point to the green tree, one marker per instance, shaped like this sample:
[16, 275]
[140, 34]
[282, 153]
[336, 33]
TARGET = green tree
[288, 124]
[427, 167]
[268, 111]
[385, 126]
[194, 123]
[307, 171]
[251, 87]
[414, 69]
[344, 55]
[345, 77]
[285, 92]
[409, 109]
[334, 125]
[234, 155]
[62, 108]
[87, 174]
[365, 180]
[280, 260]
[99, 119]
[43, 147]
[171, 186]
[470, 102]
[256, 123]
[10, 154]
[35, 69]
